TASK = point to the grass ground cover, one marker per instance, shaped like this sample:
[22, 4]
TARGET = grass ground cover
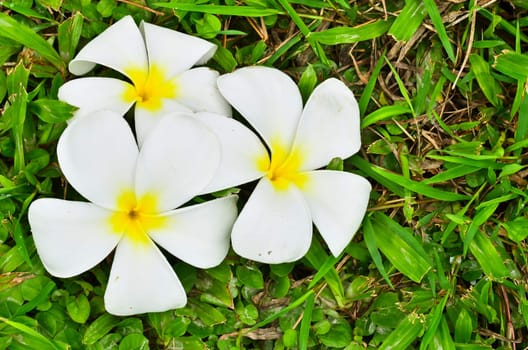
[440, 260]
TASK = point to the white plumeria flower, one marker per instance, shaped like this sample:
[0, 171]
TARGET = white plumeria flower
[132, 198]
[275, 225]
[157, 61]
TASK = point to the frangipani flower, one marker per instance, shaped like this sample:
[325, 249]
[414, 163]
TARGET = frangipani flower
[275, 225]
[158, 63]
[132, 198]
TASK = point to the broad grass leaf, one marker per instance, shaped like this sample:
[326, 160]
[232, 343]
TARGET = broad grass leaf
[485, 79]
[11, 29]
[350, 35]
[402, 249]
[408, 21]
[407, 331]
[245, 11]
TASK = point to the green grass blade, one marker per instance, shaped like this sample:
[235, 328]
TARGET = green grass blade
[350, 35]
[433, 323]
[304, 330]
[384, 113]
[318, 258]
[370, 241]
[488, 257]
[296, 303]
[44, 342]
[369, 88]
[512, 64]
[11, 29]
[408, 21]
[244, 11]
[409, 184]
[485, 79]
[451, 173]
[406, 332]
[402, 249]
[436, 18]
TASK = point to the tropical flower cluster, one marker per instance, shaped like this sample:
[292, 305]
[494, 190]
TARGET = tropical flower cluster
[137, 182]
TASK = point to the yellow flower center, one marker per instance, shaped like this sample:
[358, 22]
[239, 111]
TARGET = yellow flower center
[150, 87]
[136, 217]
[284, 167]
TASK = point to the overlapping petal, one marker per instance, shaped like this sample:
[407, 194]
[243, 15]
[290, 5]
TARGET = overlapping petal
[240, 148]
[197, 90]
[145, 120]
[95, 93]
[141, 280]
[177, 160]
[268, 99]
[199, 234]
[337, 201]
[71, 237]
[119, 47]
[329, 125]
[174, 51]
[274, 226]
[98, 157]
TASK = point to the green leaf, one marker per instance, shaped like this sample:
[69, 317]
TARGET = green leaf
[134, 341]
[350, 35]
[304, 331]
[79, 308]
[512, 64]
[245, 11]
[105, 7]
[339, 336]
[436, 18]
[307, 82]
[392, 179]
[43, 342]
[517, 229]
[209, 315]
[52, 111]
[485, 79]
[384, 113]
[406, 332]
[408, 21]
[69, 33]
[463, 327]
[369, 236]
[400, 247]
[99, 328]
[11, 29]
[208, 26]
[250, 277]
[489, 259]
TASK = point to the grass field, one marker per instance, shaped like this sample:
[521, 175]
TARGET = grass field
[440, 260]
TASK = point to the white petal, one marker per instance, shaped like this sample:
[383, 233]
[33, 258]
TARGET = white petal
[268, 99]
[141, 280]
[146, 119]
[329, 126]
[177, 160]
[241, 150]
[338, 201]
[199, 234]
[197, 90]
[175, 52]
[274, 226]
[92, 94]
[70, 237]
[97, 154]
[119, 47]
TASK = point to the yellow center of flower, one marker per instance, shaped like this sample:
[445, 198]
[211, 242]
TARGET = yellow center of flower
[284, 167]
[136, 217]
[150, 87]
